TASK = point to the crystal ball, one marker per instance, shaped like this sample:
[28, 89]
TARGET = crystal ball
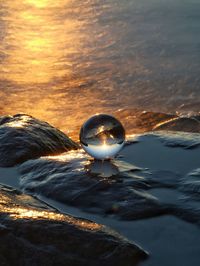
[102, 136]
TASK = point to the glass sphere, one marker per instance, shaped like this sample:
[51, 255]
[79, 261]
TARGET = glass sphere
[102, 136]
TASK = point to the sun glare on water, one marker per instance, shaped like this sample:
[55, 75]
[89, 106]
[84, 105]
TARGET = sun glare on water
[43, 3]
[35, 52]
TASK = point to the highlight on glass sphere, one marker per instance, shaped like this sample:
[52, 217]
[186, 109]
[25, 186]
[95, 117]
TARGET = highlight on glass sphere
[102, 136]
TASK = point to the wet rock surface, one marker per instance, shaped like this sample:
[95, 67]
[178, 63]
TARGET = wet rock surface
[32, 233]
[139, 122]
[187, 124]
[116, 188]
[157, 174]
[68, 179]
[179, 140]
[23, 137]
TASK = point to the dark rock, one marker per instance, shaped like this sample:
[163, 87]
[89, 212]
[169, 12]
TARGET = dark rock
[3, 230]
[191, 184]
[139, 122]
[187, 124]
[164, 179]
[127, 193]
[179, 139]
[149, 120]
[23, 137]
[42, 236]
[68, 179]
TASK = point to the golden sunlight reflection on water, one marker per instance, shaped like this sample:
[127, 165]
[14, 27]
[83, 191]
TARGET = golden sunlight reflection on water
[37, 42]
[64, 61]
[44, 43]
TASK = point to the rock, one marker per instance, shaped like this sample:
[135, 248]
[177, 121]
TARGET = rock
[191, 184]
[187, 124]
[42, 236]
[120, 191]
[3, 230]
[139, 122]
[23, 137]
[67, 178]
[149, 120]
[179, 139]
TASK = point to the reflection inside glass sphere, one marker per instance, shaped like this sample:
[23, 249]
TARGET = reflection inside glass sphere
[103, 168]
[102, 136]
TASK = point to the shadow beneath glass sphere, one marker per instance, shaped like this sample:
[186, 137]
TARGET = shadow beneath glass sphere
[104, 168]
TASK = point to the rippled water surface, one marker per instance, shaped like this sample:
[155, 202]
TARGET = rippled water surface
[65, 60]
